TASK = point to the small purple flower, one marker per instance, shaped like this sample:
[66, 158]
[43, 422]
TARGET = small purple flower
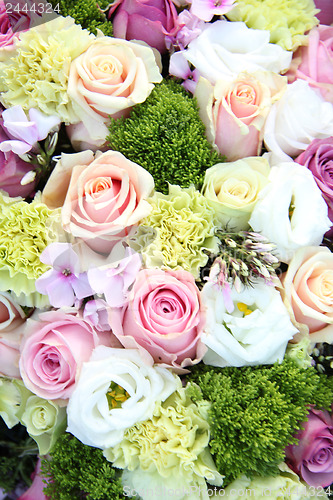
[190, 28]
[207, 9]
[96, 312]
[63, 283]
[23, 133]
[115, 281]
[179, 67]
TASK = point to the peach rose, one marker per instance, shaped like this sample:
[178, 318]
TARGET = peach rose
[308, 287]
[104, 199]
[234, 112]
[110, 77]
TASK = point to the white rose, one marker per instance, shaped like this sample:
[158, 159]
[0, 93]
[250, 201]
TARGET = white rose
[256, 332]
[294, 121]
[233, 189]
[94, 416]
[291, 211]
[225, 49]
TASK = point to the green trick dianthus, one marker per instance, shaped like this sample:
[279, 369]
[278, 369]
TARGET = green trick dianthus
[256, 411]
[166, 136]
[88, 13]
[80, 471]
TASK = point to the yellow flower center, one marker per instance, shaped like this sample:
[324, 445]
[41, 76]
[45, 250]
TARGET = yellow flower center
[244, 308]
[116, 396]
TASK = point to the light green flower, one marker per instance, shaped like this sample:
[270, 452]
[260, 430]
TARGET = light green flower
[13, 395]
[300, 352]
[25, 231]
[183, 222]
[36, 74]
[287, 20]
[283, 487]
[45, 422]
[171, 446]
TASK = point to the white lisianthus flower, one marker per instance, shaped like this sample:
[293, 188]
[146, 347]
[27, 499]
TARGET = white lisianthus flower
[294, 121]
[290, 212]
[255, 332]
[224, 49]
[116, 389]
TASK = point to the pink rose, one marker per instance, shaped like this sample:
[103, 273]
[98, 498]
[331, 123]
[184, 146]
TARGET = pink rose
[35, 492]
[12, 318]
[314, 62]
[147, 20]
[53, 350]
[108, 79]
[163, 315]
[105, 199]
[12, 171]
[325, 15]
[318, 158]
[312, 457]
[234, 112]
[308, 288]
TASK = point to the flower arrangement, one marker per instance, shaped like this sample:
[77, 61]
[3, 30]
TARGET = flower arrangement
[166, 268]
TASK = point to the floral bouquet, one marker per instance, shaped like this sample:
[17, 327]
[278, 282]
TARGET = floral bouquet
[166, 267]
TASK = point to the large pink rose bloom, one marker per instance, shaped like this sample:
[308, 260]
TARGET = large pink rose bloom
[147, 20]
[53, 351]
[312, 457]
[318, 158]
[163, 315]
[105, 198]
[314, 62]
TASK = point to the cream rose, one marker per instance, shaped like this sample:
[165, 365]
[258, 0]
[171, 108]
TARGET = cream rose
[233, 189]
[110, 77]
[308, 288]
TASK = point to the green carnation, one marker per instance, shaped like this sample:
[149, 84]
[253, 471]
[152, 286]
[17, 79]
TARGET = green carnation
[25, 231]
[183, 222]
[171, 446]
[287, 20]
[36, 75]
[282, 487]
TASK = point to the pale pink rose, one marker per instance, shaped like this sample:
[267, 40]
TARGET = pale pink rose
[11, 313]
[234, 112]
[106, 199]
[308, 287]
[163, 316]
[9, 357]
[108, 79]
[12, 318]
[314, 62]
[53, 350]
